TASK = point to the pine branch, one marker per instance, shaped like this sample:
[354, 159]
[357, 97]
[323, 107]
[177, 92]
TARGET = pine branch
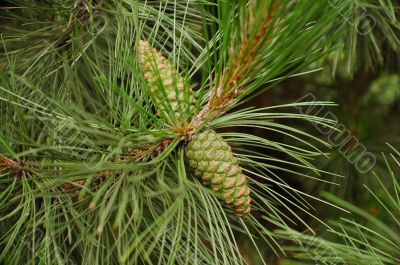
[112, 182]
[240, 65]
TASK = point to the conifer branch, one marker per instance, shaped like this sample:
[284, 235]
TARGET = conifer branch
[149, 151]
[116, 181]
[241, 64]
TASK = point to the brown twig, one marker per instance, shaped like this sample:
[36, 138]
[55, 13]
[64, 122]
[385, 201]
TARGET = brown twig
[242, 64]
[14, 167]
[18, 168]
[228, 87]
[132, 155]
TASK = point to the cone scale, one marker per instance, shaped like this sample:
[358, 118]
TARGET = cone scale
[211, 160]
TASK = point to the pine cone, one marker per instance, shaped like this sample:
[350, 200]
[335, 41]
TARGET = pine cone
[211, 159]
[172, 94]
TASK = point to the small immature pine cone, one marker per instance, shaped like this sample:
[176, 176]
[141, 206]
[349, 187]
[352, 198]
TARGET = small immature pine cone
[171, 93]
[211, 159]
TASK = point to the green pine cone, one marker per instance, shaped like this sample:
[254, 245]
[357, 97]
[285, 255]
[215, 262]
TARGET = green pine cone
[211, 159]
[171, 93]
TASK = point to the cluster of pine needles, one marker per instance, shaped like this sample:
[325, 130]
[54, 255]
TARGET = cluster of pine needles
[93, 168]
